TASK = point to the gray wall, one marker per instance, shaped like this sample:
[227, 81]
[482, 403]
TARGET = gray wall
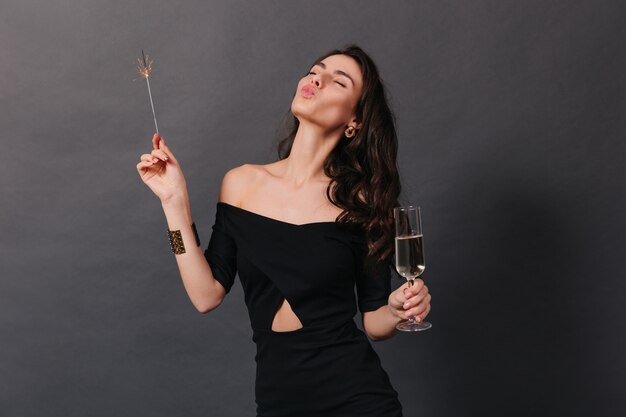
[511, 127]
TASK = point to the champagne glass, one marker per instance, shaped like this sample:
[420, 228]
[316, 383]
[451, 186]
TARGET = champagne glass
[409, 254]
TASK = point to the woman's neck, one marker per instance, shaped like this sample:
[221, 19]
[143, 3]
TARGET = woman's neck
[311, 147]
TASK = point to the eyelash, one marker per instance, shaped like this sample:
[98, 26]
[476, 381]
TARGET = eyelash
[312, 73]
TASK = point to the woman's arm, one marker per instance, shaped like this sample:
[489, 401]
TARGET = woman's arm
[404, 302]
[380, 324]
[204, 291]
[161, 172]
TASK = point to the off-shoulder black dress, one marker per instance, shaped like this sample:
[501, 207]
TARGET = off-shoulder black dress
[328, 367]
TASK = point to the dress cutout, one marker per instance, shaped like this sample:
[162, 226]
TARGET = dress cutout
[328, 366]
[277, 323]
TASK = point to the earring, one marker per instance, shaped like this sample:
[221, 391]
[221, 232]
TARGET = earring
[350, 131]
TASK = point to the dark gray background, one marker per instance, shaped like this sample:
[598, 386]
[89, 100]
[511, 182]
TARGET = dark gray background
[511, 129]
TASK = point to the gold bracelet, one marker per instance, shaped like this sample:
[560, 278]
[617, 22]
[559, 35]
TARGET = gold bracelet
[176, 239]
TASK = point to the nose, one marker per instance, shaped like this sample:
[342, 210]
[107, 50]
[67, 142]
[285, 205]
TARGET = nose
[316, 80]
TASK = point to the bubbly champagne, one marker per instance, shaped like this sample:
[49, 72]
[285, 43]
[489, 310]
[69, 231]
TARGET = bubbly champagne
[410, 256]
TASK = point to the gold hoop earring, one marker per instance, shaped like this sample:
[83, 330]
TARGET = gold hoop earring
[350, 131]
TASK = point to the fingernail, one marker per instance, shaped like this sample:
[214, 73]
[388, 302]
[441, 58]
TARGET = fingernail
[407, 304]
[154, 160]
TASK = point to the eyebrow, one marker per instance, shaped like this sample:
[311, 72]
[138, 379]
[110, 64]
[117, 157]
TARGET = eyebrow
[338, 72]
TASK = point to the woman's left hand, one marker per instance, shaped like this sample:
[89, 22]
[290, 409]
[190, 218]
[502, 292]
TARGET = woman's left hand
[409, 301]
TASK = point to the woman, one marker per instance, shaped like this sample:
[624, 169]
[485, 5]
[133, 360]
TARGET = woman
[302, 232]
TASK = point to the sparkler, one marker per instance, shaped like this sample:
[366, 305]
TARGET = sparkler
[145, 69]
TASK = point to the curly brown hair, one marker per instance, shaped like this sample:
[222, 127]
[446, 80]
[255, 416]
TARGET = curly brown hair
[365, 181]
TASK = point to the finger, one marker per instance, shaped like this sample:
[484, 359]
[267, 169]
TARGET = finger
[417, 286]
[163, 147]
[406, 298]
[420, 296]
[419, 313]
[411, 290]
[406, 289]
[421, 316]
[400, 296]
[160, 154]
[148, 157]
[421, 307]
[143, 166]
[152, 158]
[155, 141]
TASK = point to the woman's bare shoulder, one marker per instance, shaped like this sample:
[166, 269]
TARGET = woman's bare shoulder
[237, 181]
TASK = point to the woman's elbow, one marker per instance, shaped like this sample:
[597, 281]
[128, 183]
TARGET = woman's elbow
[206, 308]
[212, 302]
[381, 338]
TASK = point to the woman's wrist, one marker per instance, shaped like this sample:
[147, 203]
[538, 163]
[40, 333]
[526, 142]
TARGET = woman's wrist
[393, 316]
[176, 200]
[177, 212]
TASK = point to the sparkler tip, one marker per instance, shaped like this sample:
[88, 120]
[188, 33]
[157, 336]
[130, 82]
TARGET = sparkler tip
[145, 68]
[145, 65]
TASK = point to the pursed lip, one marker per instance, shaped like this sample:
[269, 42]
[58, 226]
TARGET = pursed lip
[307, 91]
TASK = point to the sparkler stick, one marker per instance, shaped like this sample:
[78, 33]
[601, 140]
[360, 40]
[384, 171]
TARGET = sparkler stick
[145, 69]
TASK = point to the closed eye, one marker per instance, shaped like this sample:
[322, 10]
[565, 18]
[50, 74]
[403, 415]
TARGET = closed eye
[343, 85]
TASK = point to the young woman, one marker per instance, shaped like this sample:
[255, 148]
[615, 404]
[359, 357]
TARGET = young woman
[302, 233]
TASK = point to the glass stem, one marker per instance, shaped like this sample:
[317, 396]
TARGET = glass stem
[412, 318]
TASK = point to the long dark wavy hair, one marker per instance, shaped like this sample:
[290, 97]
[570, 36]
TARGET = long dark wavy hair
[364, 175]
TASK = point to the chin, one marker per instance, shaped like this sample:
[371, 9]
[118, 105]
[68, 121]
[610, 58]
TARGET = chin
[300, 109]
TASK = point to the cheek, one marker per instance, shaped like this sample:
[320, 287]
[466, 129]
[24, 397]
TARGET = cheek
[334, 115]
[341, 105]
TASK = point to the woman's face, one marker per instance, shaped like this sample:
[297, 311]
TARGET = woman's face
[328, 95]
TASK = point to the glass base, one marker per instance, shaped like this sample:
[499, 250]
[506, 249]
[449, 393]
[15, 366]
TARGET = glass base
[412, 326]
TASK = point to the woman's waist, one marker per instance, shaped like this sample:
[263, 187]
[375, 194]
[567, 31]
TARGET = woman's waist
[310, 335]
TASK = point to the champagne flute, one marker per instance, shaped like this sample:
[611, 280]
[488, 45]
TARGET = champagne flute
[409, 254]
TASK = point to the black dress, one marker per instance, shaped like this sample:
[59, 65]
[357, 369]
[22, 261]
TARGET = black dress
[328, 367]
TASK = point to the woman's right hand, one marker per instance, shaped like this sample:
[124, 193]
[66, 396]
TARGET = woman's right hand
[161, 172]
